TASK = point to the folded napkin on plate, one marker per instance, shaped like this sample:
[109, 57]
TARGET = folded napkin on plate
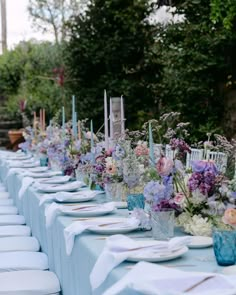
[64, 196]
[54, 209]
[153, 279]
[42, 174]
[78, 227]
[26, 182]
[117, 250]
[52, 188]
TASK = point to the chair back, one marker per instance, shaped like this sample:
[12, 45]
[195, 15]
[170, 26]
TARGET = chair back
[219, 158]
[196, 154]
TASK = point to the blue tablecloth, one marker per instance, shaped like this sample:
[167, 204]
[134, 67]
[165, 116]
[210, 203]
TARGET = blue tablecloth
[73, 271]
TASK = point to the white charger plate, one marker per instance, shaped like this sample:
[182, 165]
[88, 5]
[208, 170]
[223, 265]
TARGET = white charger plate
[24, 165]
[67, 187]
[121, 227]
[38, 169]
[88, 213]
[42, 174]
[151, 256]
[121, 205]
[229, 270]
[198, 242]
[56, 180]
[76, 197]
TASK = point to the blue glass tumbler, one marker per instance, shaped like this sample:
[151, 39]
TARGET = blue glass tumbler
[224, 244]
[135, 201]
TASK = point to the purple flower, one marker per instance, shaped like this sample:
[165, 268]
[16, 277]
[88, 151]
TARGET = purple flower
[154, 191]
[202, 166]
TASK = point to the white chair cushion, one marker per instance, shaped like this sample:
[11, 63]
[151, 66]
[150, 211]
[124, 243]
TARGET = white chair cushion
[6, 202]
[11, 219]
[14, 230]
[4, 195]
[8, 210]
[10, 244]
[10, 261]
[29, 282]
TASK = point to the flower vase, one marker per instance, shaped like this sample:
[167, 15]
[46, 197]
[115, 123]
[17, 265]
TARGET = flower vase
[224, 244]
[162, 223]
[110, 189]
[135, 201]
[43, 159]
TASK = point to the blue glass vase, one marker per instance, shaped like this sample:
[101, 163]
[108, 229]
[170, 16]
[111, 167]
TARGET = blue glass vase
[135, 201]
[224, 244]
[43, 161]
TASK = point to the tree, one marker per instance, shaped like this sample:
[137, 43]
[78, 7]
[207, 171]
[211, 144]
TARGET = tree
[52, 15]
[197, 58]
[111, 47]
[29, 72]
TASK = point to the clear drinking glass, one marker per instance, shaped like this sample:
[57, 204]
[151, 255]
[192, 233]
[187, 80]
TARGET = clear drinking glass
[224, 244]
[163, 224]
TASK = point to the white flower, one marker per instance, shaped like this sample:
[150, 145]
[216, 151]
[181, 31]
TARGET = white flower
[198, 226]
[198, 197]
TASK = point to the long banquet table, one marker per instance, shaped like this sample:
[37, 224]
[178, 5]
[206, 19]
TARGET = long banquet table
[73, 271]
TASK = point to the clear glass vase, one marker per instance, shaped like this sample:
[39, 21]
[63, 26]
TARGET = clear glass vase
[162, 223]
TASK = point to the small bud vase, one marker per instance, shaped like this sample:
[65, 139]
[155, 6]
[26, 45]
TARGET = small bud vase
[162, 223]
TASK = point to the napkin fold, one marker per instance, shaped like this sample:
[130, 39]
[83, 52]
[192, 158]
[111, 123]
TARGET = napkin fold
[64, 196]
[117, 250]
[153, 279]
[78, 227]
[54, 209]
[26, 182]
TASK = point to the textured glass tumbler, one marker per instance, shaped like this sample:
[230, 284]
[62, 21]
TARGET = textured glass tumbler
[135, 201]
[163, 223]
[224, 243]
[43, 161]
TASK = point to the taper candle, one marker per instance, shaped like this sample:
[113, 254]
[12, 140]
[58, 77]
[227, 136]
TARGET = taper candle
[63, 118]
[106, 122]
[122, 116]
[151, 147]
[111, 121]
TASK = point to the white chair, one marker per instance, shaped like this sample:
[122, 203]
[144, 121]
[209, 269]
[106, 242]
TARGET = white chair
[169, 153]
[8, 210]
[14, 231]
[23, 261]
[11, 244]
[196, 154]
[6, 202]
[219, 158]
[29, 282]
[12, 220]
[4, 195]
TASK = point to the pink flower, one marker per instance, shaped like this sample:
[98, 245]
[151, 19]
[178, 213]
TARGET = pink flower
[141, 150]
[110, 168]
[230, 216]
[88, 136]
[179, 198]
[164, 166]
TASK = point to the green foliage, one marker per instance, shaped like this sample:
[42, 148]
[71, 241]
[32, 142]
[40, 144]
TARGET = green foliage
[27, 73]
[111, 48]
[197, 57]
[224, 11]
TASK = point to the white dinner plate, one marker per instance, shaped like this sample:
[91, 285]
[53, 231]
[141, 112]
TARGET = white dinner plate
[112, 226]
[54, 188]
[121, 205]
[43, 174]
[229, 270]
[198, 242]
[96, 210]
[76, 197]
[56, 180]
[152, 256]
[38, 169]
[24, 165]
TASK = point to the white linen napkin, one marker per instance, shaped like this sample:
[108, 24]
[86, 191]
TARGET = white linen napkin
[153, 279]
[12, 171]
[117, 249]
[26, 182]
[54, 209]
[78, 227]
[52, 188]
[64, 196]
[42, 174]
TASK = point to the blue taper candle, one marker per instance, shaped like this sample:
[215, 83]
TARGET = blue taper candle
[151, 147]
